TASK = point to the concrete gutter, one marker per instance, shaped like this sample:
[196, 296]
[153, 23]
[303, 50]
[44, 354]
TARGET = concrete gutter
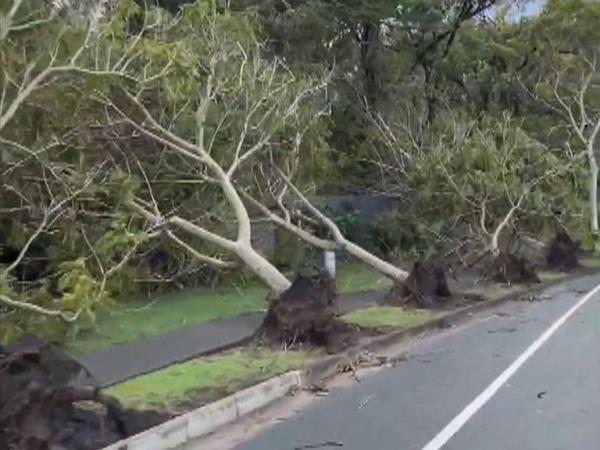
[176, 432]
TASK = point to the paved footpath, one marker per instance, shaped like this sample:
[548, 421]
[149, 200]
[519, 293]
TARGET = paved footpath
[127, 360]
[524, 378]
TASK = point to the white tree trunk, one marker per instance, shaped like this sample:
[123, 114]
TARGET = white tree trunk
[339, 240]
[376, 263]
[593, 193]
[242, 248]
[263, 269]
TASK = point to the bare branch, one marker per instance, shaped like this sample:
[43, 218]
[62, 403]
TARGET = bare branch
[67, 317]
[205, 259]
[494, 247]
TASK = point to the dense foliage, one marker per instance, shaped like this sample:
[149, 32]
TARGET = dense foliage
[460, 110]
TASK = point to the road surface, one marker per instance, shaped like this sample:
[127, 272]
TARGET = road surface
[524, 378]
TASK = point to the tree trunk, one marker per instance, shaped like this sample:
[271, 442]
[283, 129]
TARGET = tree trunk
[594, 201]
[263, 269]
[339, 240]
[594, 195]
[369, 43]
[378, 264]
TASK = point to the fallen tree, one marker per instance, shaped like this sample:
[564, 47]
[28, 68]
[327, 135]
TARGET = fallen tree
[48, 400]
[305, 314]
[230, 114]
[506, 266]
[563, 252]
[496, 181]
[425, 287]
[336, 241]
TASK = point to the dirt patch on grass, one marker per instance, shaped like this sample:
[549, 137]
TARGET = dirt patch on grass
[306, 314]
[49, 401]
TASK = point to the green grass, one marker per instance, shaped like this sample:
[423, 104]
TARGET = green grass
[591, 261]
[546, 276]
[178, 385]
[496, 290]
[354, 277]
[388, 317]
[172, 311]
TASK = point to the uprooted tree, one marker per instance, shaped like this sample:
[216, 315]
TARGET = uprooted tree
[43, 393]
[495, 182]
[306, 314]
[425, 287]
[303, 219]
[203, 126]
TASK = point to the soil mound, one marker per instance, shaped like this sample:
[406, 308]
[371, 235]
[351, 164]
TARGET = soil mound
[49, 401]
[425, 287]
[306, 314]
[563, 252]
[511, 269]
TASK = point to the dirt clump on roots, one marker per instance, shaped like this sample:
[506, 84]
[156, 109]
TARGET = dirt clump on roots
[425, 287]
[48, 401]
[563, 252]
[305, 314]
[511, 269]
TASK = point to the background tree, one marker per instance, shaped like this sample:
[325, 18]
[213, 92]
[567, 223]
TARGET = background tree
[565, 83]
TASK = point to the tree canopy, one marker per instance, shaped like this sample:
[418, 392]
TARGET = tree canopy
[145, 140]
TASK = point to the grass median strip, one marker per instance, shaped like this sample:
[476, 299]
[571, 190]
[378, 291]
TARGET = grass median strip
[183, 386]
[145, 318]
[382, 317]
[141, 319]
[353, 277]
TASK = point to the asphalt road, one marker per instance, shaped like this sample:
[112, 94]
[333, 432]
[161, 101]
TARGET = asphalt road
[551, 401]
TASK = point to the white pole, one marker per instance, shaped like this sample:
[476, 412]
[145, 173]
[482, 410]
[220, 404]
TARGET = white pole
[329, 262]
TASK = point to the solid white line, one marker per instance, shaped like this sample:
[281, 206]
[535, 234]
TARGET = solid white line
[458, 422]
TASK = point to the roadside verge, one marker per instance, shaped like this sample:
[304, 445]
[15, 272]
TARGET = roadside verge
[204, 420]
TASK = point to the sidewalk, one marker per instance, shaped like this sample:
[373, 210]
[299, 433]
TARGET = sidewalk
[130, 359]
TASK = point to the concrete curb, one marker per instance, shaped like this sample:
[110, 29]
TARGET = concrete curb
[327, 367]
[176, 432]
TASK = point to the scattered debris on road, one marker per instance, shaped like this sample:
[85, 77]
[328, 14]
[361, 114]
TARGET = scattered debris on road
[364, 402]
[541, 394]
[321, 445]
[502, 330]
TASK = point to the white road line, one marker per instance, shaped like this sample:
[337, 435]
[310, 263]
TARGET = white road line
[458, 422]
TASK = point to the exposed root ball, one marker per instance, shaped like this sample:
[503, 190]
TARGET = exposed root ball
[563, 252]
[425, 287]
[511, 269]
[305, 314]
[41, 395]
